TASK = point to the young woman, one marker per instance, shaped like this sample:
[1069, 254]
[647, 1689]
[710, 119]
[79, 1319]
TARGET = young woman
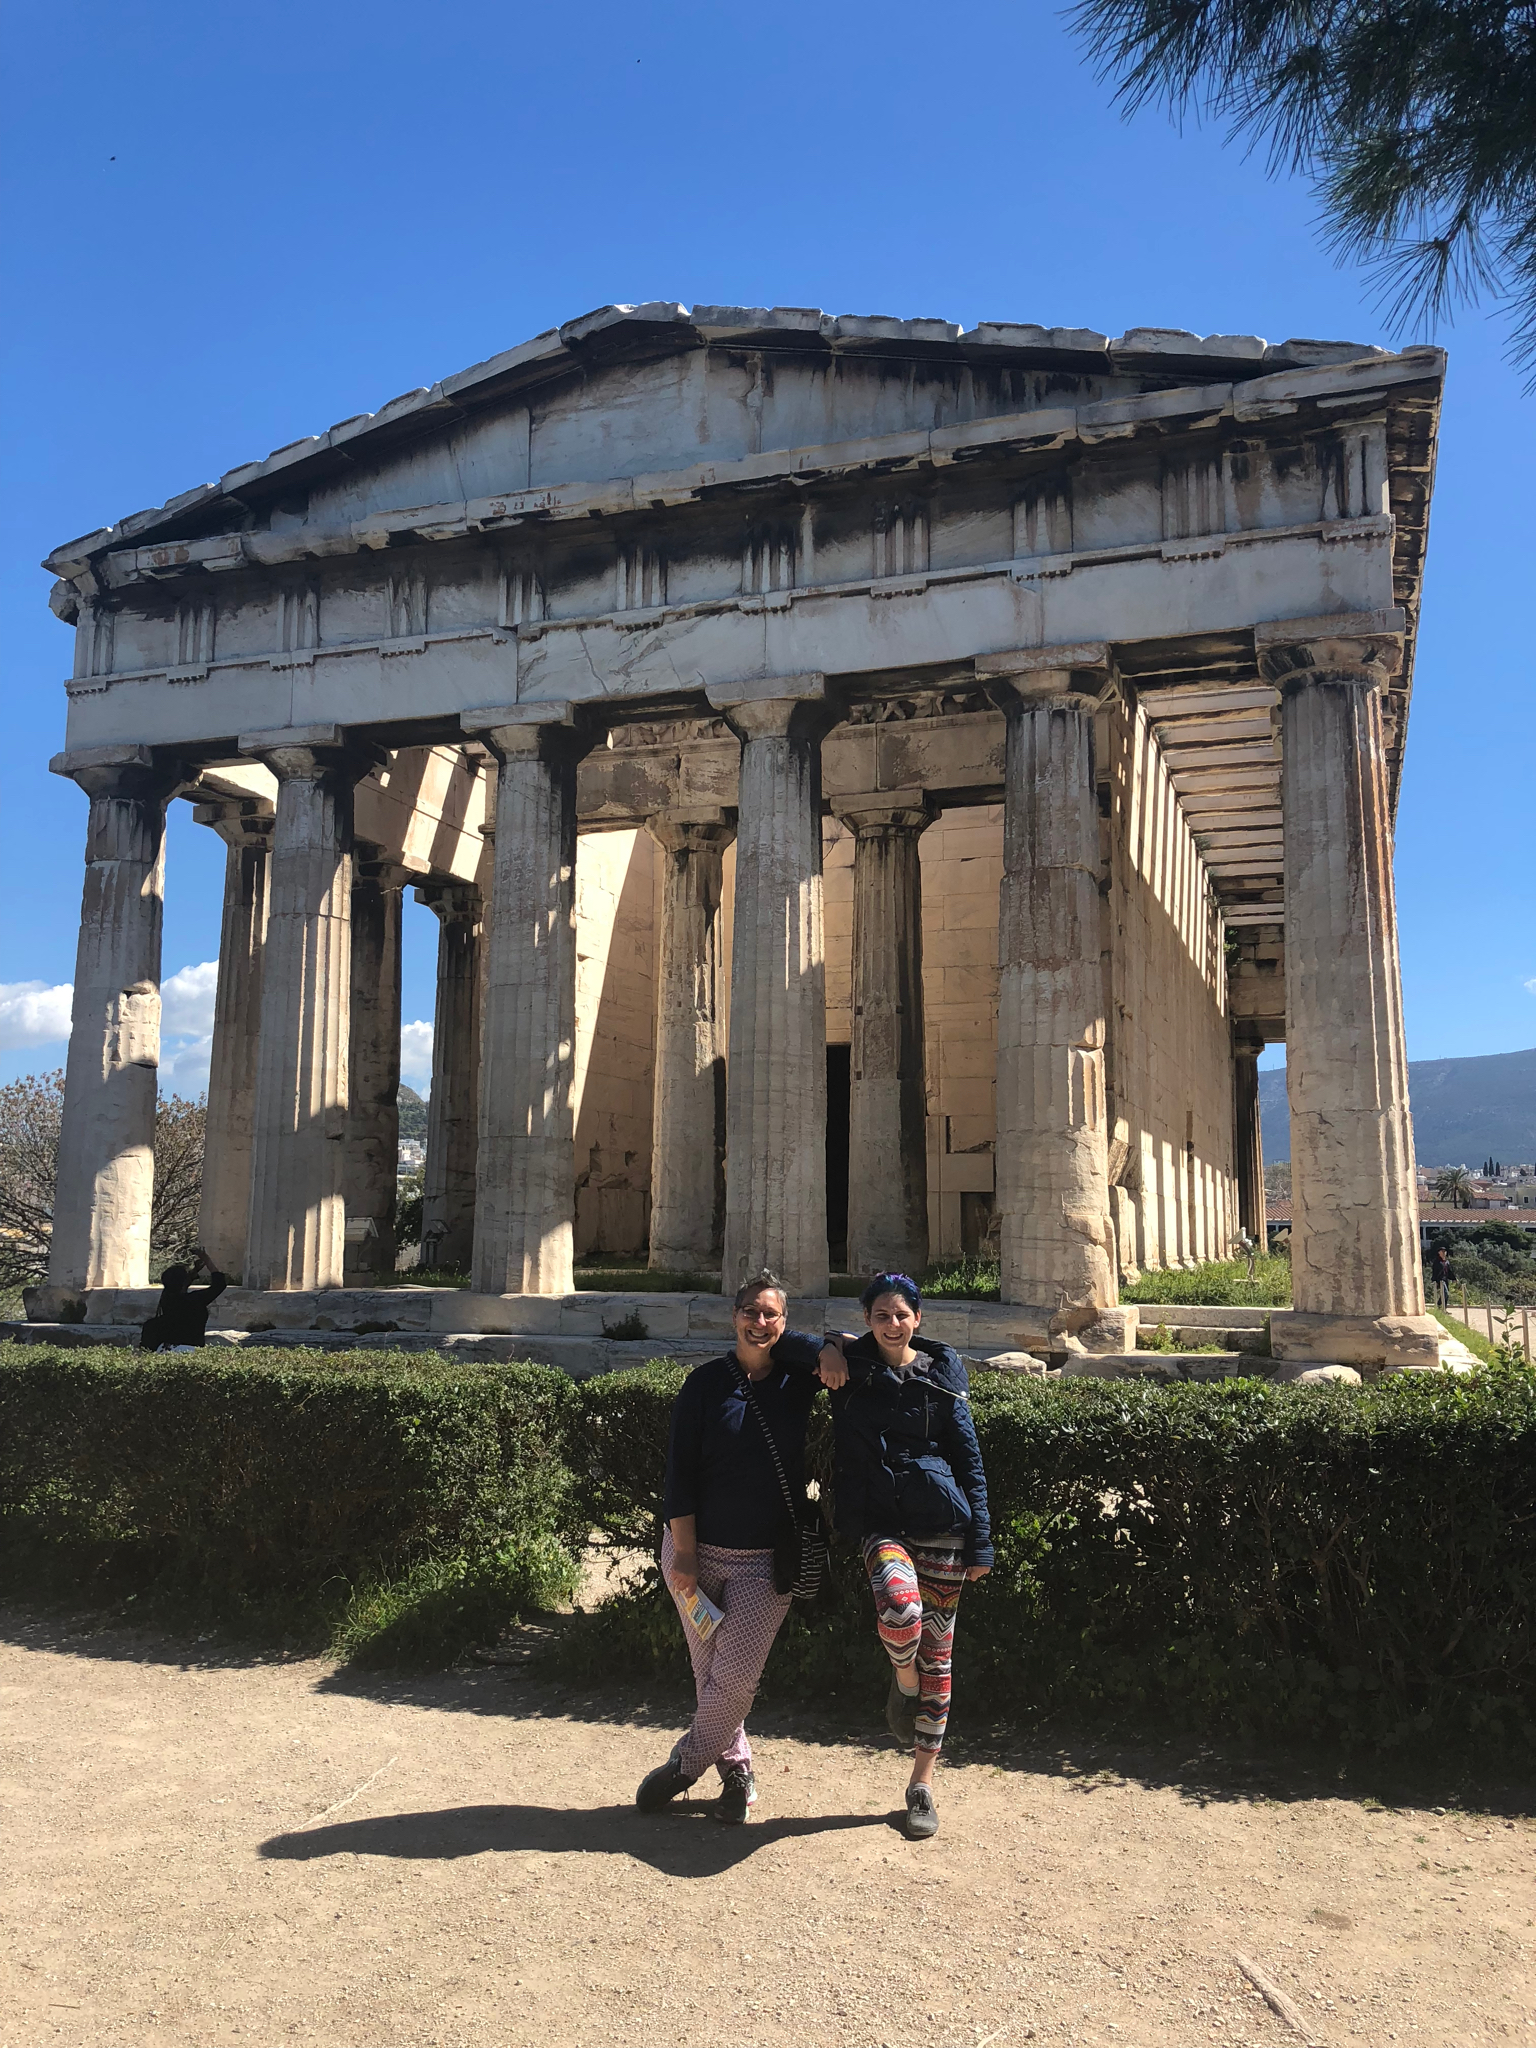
[724, 1509]
[911, 1492]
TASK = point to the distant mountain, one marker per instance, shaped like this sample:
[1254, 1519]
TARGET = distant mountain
[413, 1114]
[1464, 1111]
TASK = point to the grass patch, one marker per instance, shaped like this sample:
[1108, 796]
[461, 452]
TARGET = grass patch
[425, 1276]
[614, 1275]
[1220, 1283]
[1478, 1346]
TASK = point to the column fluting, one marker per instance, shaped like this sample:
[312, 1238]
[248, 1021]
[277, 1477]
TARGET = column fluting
[373, 1073]
[1354, 1232]
[525, 1193]
[106, 1170]
[688, 1124]
[776, 1083]
[245, 826]
[448, 1205]
[298, 1162]
[1052, 1137]
[887, 1135]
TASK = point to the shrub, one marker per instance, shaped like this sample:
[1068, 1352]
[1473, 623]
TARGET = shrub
[1351, 1566]
[289, 1485]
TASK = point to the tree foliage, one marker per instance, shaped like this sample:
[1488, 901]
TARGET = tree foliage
[1453, 1184]
[31, 1113]
[1416, 119]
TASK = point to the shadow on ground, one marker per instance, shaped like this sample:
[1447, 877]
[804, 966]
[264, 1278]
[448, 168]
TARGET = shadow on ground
[1201, 1770]
[683, 1842]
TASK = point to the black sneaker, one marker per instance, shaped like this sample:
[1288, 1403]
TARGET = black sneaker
[660, 1787]
[738, 1792]
[901, 1713]
[922, 1815]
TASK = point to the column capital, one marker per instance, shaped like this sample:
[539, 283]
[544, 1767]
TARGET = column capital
[1353, 650]
[774, 707]
[692, 828]
[453, 902]
[536, 731]
[882, 810]
[238, 820]
[306, 753]
[126, 771]
[1076, 674]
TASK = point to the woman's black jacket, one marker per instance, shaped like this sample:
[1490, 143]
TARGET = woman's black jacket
[907, 1460]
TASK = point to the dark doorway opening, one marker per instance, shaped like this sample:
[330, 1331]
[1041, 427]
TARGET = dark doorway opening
[839, 1096]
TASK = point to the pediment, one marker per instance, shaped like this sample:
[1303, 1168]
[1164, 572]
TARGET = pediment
[636, 389]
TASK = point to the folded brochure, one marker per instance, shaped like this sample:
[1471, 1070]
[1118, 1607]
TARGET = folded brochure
[703, 1615]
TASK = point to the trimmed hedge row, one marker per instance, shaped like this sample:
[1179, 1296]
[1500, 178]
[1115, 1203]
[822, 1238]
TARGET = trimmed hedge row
[1352, 1565]
[1347, 1565]
[376, 1496]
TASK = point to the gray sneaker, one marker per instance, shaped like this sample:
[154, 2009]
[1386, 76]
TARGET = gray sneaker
[922, 1815]
[901, 1713]
[660, 1787]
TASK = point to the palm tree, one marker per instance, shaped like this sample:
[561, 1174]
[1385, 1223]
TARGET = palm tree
[1453, 1184]
[1416, 119]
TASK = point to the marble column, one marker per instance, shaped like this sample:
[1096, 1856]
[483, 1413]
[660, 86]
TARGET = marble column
[688, 1125]
[298, 1162]
[1248, 1138]
[776, 1087]
[887, 1135]
[106, 1170]
[245, 826]
[525, 1181]
[448, 1206]
[373, 1072]
[1354, 1232]
[1052, 1136]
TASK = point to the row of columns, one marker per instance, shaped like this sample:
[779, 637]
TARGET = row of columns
[508, 971]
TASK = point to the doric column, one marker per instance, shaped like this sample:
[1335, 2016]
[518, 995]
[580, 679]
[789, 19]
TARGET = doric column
[887, 1129]
[298, 1158]
[776, 1087]
[245, 826]
[525, 1182]
[1354, 1235]
[1248, 1138]
[448, 1206]
[373, 1072]
[688, 1126]
[106, 1168]
[1052, 1137]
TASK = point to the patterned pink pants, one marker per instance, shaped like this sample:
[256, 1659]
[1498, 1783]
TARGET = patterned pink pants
[728, 1664]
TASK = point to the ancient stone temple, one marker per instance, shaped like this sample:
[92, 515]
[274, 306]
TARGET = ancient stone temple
[881, 786]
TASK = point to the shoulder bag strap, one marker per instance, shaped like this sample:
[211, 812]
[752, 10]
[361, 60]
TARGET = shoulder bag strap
[773, 1448]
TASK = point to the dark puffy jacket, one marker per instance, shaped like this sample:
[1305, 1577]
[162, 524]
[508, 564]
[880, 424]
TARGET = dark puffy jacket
[908, 1463]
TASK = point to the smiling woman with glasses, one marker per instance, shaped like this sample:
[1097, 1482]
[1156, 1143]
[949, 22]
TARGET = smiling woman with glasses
[735, 1469]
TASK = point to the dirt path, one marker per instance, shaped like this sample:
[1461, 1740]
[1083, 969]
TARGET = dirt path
[203, 1852]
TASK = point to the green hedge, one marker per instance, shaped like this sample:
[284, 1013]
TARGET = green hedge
[396, 1501]
[1356, 1566]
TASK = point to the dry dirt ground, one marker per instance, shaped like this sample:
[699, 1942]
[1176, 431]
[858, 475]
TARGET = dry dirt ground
[200, 1848]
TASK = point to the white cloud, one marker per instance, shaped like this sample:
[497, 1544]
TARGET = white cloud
[1531, 984]
[186, 1000]
[184, 1067]
[32, 1013]
[416, 1056]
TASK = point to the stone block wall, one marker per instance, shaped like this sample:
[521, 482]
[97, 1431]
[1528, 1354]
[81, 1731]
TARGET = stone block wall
[962, 866]
[1169, 1063]
[617, 923]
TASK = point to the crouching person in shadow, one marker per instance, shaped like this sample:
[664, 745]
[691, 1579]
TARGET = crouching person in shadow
[180, 1322]
[725, 1509]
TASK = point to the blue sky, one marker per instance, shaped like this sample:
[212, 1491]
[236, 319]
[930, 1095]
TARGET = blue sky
[224, 228]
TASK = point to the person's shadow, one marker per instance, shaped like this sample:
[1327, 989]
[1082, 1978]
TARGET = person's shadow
[682, 1842]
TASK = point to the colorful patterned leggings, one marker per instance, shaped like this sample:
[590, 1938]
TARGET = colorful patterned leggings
[917, 1589]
